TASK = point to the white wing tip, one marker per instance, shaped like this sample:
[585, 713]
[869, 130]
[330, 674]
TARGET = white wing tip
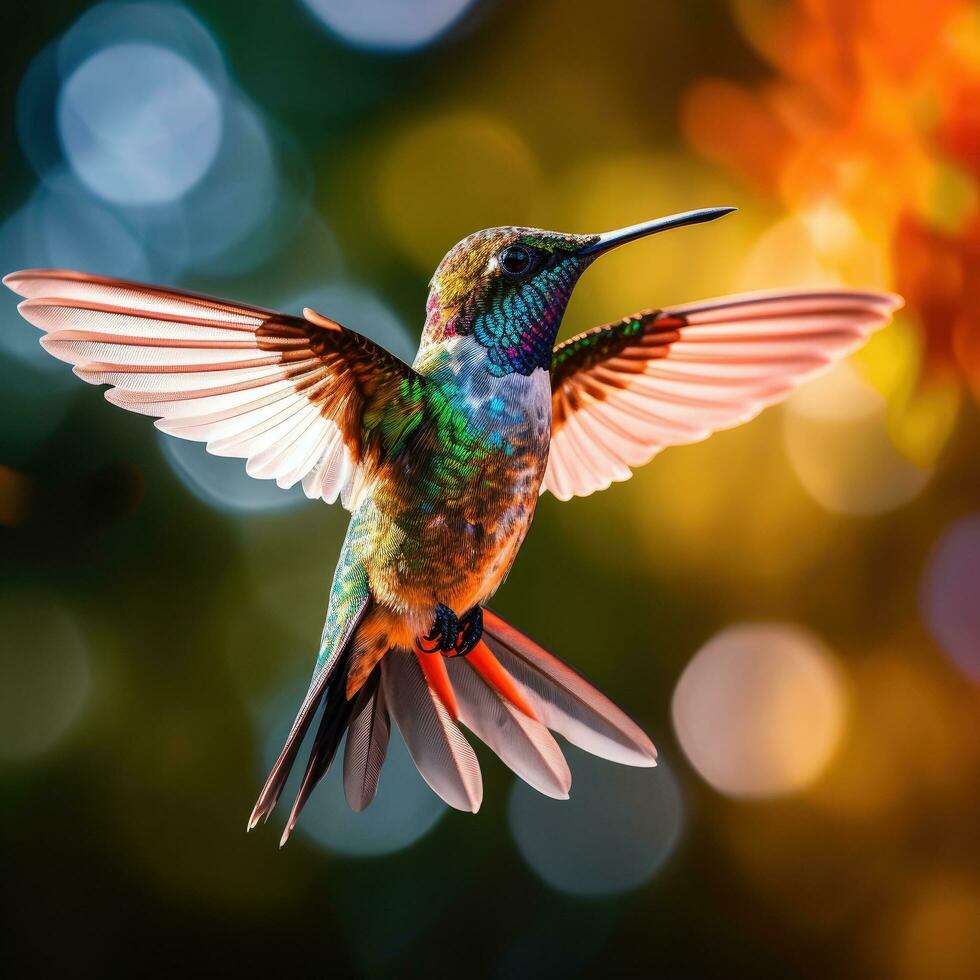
[13, 280]
[893, 301]
[170, 426]
[26, 308]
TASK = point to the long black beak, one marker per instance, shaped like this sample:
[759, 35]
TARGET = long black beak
[611, 239]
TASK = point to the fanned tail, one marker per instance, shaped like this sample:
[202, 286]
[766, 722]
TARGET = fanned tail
[508, 692]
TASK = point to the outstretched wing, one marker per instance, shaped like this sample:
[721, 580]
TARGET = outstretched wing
[285, 393]
[624, 391]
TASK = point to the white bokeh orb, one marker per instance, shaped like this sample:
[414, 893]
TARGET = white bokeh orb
[221, 481]
[139, 123]
[394, 25]
[616, 829]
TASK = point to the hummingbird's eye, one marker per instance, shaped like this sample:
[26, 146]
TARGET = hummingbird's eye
[517, 261]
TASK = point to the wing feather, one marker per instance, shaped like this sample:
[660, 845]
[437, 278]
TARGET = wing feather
[625, 391]
[286, 394]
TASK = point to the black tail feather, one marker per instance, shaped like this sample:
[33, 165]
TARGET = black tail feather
[333, 723]
[319, 690]
[367, 743]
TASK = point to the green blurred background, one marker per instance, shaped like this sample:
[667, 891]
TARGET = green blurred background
[791, 609]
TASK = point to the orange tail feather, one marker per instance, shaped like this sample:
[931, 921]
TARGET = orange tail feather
[434, 668]
[488, 667]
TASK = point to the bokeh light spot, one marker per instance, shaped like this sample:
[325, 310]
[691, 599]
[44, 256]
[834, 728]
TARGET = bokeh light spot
[819, 246]
[718, 533]
[222, 482]
[843, 453]
[949, 593]
[951, 198]
[760, 709]
[939, 934]
[244, 209]
[139, 123]
[60, 226]
[45, 674]
[617, 828]
[388, 24]
[451, 175]
[840, 395]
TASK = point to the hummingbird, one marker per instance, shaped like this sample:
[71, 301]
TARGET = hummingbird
[441, 464]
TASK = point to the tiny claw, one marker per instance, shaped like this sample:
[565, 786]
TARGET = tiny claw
[470, 633]
[444, 634]
[467, 643]
[433, 634]
[425, 649]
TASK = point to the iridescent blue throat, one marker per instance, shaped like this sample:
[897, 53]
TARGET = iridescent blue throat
[518, 324]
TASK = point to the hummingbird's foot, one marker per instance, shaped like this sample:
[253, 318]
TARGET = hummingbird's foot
[452, 635]
[470, 631]
[444, 635]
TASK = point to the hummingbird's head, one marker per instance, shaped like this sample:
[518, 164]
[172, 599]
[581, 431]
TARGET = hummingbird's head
[507, 288]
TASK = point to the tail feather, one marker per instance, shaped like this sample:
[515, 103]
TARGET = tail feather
[488, 667]
[437, 677]
[333, 724]
[276, 780]
[524, 744]
[564, 701]
[508, 692]
[367, 743]
[443, 756]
